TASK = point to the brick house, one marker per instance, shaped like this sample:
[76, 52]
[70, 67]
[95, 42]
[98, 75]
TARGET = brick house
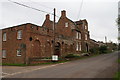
[23, 42]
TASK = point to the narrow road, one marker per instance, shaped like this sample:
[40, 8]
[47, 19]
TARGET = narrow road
[102, 66]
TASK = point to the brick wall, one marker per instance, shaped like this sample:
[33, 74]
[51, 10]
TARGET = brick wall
[38, 40]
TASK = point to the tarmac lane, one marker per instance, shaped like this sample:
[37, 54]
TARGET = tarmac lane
[102, 66]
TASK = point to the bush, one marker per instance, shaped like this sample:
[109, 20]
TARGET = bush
[99, 50]
[103, 49]
[94, 50]
[72, 56]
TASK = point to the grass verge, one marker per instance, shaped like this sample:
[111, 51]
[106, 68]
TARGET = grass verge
[83, 57]
[117, 76]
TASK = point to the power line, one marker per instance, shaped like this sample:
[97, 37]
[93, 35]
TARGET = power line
[42, 5]
[80, 9]
[31, 7]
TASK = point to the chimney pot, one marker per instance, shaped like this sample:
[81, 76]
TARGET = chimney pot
[47, 17]
[63, 13]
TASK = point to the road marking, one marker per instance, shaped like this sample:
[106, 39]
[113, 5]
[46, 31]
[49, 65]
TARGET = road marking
[25, 71]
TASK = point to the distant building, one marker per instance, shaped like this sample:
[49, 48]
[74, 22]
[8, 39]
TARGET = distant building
[28, 41]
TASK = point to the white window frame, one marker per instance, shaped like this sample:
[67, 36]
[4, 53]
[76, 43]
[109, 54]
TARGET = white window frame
[3, 53]
[66, 24]
[80, 47]
[4, 37]
[19, 52]
[85, 26]
[19, 34]
[79, 35]
[86, 37]
[77, 47]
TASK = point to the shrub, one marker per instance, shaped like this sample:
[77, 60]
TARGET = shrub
[94, 50]
[72, 56]
[103, 49]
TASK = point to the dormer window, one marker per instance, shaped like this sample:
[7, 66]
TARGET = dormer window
[66, 24]
[19, 34]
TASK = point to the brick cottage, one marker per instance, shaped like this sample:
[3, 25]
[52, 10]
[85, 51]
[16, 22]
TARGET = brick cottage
[27, 41]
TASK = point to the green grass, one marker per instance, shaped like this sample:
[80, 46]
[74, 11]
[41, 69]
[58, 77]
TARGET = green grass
[8, 64]
[118, 60]
[76, 58]
[47, 63]
[117, 76]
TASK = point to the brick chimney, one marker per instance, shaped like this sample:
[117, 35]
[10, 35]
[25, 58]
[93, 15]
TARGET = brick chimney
[47, 17]
[63, 13]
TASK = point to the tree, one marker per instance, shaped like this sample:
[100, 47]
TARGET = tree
[118, 23]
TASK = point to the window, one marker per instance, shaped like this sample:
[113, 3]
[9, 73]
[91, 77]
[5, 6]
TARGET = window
[19, 34]
[66, 24]
[3, 53]
[85, 36]
[77, 47]
[85, 26]
[79, 35]
[18, 52]
[4, 36]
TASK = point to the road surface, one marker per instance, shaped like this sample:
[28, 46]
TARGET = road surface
[102, 66]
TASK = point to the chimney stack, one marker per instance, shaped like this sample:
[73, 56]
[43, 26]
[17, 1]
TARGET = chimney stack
[63, 13]
[47, 17]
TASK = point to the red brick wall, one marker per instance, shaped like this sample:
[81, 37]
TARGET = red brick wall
[12, 44]
[39, 40]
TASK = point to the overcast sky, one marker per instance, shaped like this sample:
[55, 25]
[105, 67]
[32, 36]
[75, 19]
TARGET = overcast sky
[100, 14]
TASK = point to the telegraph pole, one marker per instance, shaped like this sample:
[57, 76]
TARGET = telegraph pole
[54, 33]
[54, 57]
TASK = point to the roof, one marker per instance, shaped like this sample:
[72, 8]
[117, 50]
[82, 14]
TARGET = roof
[24, 24]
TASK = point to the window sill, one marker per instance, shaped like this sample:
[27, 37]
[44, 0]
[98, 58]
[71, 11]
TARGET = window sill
[4, 41]
[19, 39]
[3, 58]
[18, 55]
